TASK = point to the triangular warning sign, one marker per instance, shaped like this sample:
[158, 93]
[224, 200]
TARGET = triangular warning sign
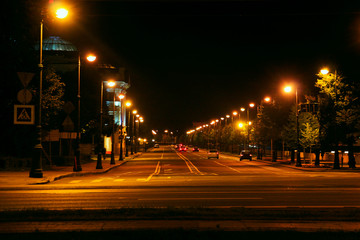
[24, 115]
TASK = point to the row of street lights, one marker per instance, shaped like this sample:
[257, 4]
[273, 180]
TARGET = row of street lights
[286, 89]
[36, 167]
[133, 119]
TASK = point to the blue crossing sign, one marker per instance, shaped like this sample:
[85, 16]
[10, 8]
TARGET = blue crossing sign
[24, 114]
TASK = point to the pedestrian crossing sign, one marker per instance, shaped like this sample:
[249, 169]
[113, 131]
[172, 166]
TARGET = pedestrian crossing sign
[24, 114]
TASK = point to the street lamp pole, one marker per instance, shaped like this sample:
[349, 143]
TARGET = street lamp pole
[101, 141]
[112, 159]
[127, 126]
[298, 160]
[121, 135]
[77, 165]
[36, 165]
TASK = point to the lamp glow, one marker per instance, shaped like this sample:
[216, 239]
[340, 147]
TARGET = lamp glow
[61, 13]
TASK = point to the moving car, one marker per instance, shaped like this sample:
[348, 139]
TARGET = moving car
[182, 148]
[156, 145]
[213, 153]
[245, 154]
[195, 149]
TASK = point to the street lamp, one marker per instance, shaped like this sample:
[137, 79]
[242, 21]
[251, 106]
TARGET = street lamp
[234, 114]
[326, 71]
[128, 105]
[121, 135]
[251, 105]
[101, 140]
[134, 112]
[61, 13]
[267, 99]
[91, 57]
[112, 84]
[36, 165]
[288, 89]
[77, 164]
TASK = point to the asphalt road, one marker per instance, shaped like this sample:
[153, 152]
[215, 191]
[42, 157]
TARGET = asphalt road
[165, 178]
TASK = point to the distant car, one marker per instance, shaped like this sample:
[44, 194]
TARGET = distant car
[183, 148]
[213, 153]
[156, 145]
[195, 149]
[245, 154]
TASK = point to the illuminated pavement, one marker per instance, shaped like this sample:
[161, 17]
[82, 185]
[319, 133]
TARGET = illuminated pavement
[165, 178]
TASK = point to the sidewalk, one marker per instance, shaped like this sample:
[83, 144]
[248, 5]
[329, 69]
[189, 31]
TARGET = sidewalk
[21, 178]
[287, 163]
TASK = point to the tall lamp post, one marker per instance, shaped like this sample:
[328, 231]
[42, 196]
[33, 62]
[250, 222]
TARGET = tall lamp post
[298, 160]
[77, 163]
[101, 140]
[251, 105]
[121, 134]
[112, 157]
[134, 112]
[128, 133]
[325, 71]
[36, 165]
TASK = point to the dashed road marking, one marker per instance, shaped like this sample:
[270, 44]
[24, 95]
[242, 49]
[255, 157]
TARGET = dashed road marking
[75, 181]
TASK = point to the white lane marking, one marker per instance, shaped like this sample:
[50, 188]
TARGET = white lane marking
[228, 167]
[97, 180]
[119, 180]
[75, 181]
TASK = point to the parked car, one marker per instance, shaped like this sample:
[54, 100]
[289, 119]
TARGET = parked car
[245, 154]
[213, 153]
[195, 149]
[156, 145]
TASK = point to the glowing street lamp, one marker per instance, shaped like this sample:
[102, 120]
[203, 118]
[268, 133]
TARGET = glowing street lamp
[324, 71]
[111, 83]
[288, 89]
[36, 164]
[91, 57]
[61, 13]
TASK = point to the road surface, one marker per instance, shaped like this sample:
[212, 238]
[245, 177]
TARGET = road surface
[164, 177]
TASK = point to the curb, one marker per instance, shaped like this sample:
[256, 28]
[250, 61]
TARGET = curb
[300, 168]
[78, 174]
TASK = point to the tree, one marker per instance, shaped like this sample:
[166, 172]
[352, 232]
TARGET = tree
[309, 131]
[343, 119]
[52, 102]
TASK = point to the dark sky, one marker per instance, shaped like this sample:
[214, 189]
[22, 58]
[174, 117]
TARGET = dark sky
[194, 61]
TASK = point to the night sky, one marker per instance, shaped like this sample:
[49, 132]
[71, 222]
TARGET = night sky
[195, 61]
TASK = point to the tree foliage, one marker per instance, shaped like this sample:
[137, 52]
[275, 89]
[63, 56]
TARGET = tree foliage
[52, 103]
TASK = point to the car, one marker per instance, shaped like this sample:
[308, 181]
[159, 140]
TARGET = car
[156, 145]
[182, 148]
[195, 149]
[245, 154]
[213, 153]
